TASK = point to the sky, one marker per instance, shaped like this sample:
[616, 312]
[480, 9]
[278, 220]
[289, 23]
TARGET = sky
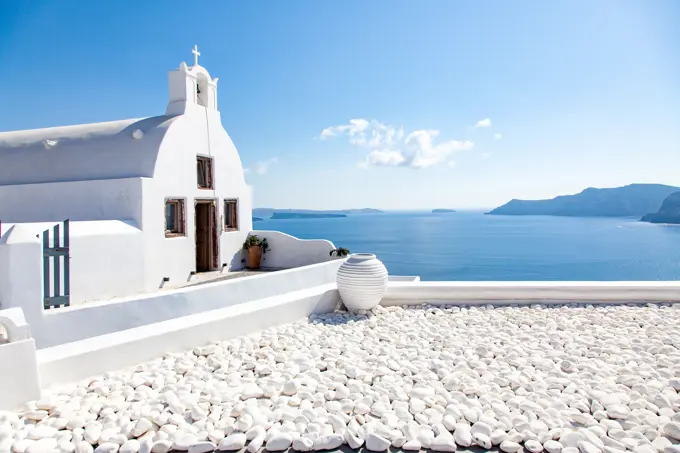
[385, 104]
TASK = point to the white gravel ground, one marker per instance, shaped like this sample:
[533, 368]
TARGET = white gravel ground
[570, 378]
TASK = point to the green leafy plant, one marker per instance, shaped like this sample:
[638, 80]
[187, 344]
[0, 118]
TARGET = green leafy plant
[340, 251]
[255, 241]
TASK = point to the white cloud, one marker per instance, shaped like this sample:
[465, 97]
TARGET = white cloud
[389, 146]
[486, 122]
[261, 167]
[385, 158]
[486, 155]
[498, 136]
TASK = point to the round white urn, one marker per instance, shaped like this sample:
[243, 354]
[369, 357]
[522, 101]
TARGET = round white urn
[362, 280]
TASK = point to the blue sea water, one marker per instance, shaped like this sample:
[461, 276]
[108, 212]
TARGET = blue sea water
[472, 246]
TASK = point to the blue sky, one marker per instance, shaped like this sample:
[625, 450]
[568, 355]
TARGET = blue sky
[389, 104]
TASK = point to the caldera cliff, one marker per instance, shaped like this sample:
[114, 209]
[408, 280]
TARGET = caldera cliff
[669, 211]
[634, 200]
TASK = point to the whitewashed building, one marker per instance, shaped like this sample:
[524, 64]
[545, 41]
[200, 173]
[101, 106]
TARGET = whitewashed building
[149, 201]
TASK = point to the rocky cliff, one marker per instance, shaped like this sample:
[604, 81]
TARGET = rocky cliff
[634, 200]
[669, 211]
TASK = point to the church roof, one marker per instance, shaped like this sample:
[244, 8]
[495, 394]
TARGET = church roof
[114, 149]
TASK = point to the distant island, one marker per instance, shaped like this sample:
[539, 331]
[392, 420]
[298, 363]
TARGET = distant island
[633, 200]
[257, 219]
[269, 212]
[443, 211]
[668, 213]
[302, 215]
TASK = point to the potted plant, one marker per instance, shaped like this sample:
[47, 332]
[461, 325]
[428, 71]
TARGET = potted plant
[340, 252]
[256, 247]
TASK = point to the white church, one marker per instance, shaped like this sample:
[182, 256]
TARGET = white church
[149, 200]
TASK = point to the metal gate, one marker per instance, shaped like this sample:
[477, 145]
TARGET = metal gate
[56, 267]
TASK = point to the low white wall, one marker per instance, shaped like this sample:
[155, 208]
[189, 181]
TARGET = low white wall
[107, 260]
[81, 359]
[409, 293]
[403, 278]
[99, 318]
[107, 257]
[287, 251]
[19, 381]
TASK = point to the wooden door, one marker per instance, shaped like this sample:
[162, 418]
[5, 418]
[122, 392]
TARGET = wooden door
[206, 241]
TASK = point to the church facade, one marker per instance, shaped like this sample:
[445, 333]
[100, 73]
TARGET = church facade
[173, 185]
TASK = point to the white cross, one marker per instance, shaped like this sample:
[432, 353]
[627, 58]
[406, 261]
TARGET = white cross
[196, 54]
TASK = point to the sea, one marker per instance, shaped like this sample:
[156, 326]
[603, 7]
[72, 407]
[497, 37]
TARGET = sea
[471, 246]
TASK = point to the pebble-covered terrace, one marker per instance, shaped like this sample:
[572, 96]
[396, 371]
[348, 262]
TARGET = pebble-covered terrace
[568, 378]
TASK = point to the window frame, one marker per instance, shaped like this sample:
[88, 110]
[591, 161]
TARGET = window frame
[180, 220]
[208, 172]
[228, 202]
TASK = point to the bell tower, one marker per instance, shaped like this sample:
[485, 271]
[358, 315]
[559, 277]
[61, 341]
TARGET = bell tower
[191, 88]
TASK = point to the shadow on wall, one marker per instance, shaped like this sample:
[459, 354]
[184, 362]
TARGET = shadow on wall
[286, 252]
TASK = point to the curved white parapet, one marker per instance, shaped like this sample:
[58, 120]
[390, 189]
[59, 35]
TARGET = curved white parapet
[14, 323]
[286, 251]
[362, 281]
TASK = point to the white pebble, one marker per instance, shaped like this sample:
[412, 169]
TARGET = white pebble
[412, 445]
[552, 446]
[509, 446]
[183, 442]
[256, 444]
[107, 447]
[42, 446]
[443, 442]
[375, 442]
[303, 444]
[83, 447]
[353, 440]
[233, 442]
[329, 442]
[41, 432]
[672, 430]
[202, 447]
[533, 446]
[131, 446]
[462, 435]
[586, 447]
[279, 441]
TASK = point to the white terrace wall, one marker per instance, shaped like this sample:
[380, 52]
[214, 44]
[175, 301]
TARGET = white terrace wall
[287, 251]
[81, 359]
[63, 325]
[106, 259]
[480, 293]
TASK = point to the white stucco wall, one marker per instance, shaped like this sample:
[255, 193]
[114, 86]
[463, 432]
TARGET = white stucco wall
[19, 378]
[21, 276]
[99, 318]
[106, 258]
[106, 199]
[197, 132]
[288, 251]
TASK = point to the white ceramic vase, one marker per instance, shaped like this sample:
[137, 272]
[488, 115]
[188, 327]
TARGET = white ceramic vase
[362, 281]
